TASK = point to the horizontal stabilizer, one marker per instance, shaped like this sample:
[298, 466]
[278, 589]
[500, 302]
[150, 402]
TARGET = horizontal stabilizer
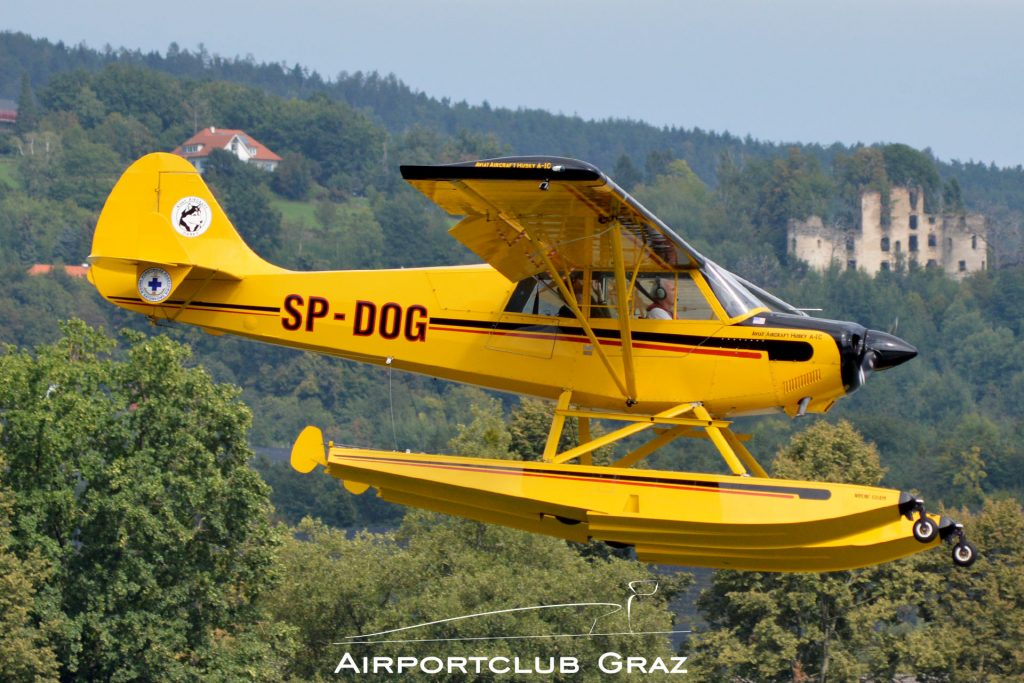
[308, 450]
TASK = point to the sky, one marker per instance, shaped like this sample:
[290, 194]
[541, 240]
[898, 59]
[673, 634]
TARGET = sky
[940, 74]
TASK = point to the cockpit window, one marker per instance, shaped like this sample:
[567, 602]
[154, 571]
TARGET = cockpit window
[665, 296]
[538, 295]
[769, 300]
[739, 297]
[736, 299]
[669, 295]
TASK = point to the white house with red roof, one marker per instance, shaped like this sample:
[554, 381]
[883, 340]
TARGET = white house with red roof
[198, 147]
[46, 269]
[8, 112]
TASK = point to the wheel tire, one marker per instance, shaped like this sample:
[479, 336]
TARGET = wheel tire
[964, 554]
[925, 530]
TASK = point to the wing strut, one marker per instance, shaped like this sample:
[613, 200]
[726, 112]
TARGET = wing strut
[197, 292]
[668, 426]
[625, 333]
[563, 288]
[640, 423]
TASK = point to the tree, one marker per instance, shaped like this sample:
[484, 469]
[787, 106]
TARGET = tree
[908, 167]
[856, 173]
[87, 172]
[827, 452]
[25, 654]
[145, 94]
[28, 112]
[759, 199]
[795, 189]
[626, 174]
[243, 192]
[805, 627]
[345, 145]
[437, 567]
[657, 163]
[293, 176]
[467, 145]
[407, 218]
[88, 108]
[132, 482]
[529, 425]
[683, 201]
[359, 238]
[952, 197]
[971, 621]
[486, 436]
[125, 135]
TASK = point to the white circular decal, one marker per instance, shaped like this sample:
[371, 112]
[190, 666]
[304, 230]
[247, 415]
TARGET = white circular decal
[191, 216]
[155, 284]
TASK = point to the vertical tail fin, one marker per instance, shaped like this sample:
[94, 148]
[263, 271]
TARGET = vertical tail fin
[162, 218]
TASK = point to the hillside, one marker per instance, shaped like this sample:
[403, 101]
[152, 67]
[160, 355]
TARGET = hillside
[336, 201]
[138, 542]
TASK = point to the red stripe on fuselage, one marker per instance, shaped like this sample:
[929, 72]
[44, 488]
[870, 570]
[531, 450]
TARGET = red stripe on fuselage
[754, 355]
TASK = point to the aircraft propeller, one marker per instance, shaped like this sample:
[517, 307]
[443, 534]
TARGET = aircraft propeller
[880, 351]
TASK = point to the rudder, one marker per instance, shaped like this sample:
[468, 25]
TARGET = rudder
[161, 215]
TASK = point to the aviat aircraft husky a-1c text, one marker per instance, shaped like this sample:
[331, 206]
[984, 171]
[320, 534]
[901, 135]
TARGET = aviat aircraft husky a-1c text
[585, 298]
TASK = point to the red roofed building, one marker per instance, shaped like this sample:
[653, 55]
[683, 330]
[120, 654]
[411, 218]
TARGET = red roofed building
[73, 271]
[8, 112]
[198, 147]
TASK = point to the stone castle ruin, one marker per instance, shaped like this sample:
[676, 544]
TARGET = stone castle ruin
[955, 242]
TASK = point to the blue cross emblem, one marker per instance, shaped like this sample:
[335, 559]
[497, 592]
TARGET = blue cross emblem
[154, 284]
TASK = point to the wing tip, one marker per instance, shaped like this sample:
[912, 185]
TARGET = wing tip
[507, 168]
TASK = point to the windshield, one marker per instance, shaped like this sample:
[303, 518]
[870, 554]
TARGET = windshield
[739, 297]
[770, 300]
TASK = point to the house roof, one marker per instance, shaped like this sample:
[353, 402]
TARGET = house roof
[209, 139]
[8, 110]
[44, 268]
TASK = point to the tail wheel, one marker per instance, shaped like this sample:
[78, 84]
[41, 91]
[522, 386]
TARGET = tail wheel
[925, 530]
[964, 554]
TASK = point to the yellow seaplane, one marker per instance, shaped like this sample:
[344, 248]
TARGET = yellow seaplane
[584, 298]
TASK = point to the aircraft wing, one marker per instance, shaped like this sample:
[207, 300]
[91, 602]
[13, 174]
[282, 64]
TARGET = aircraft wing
[524, 213]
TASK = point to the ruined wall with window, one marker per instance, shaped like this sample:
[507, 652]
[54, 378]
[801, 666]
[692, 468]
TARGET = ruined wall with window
[955, 242]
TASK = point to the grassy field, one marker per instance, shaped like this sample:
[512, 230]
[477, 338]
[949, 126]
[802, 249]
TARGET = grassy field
[7, 171]
[296, 211]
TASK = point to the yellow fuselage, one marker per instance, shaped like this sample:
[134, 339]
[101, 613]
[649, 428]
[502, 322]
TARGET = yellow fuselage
[448, 323]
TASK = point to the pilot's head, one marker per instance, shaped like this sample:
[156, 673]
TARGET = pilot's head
[576, 282]
[660, 291]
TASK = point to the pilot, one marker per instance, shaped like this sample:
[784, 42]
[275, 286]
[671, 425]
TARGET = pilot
[662, 298]
[596, 310]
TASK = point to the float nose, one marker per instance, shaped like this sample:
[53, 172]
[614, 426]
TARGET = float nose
[886, 351]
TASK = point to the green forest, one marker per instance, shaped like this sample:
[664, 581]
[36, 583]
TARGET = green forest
[151, 529]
